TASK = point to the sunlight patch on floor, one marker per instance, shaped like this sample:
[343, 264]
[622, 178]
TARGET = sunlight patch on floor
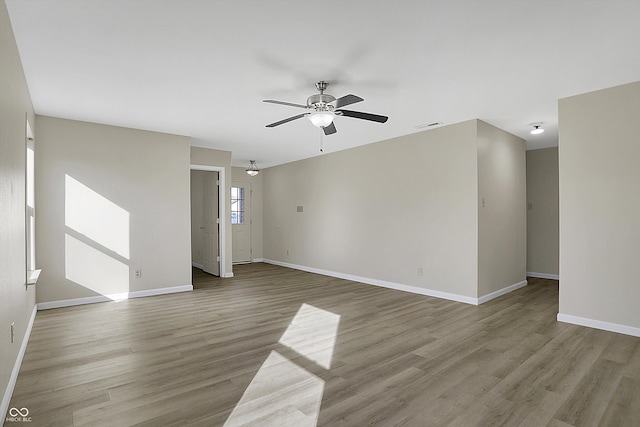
[312, 333]
[282, 393]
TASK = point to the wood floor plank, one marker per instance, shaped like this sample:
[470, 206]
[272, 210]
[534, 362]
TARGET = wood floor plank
[592, 395]
[261, 349]
[624, 407]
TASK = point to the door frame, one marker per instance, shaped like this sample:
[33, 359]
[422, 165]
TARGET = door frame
[222, 213]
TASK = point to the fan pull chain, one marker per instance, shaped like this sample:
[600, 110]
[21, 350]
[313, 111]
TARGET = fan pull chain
[321, 140]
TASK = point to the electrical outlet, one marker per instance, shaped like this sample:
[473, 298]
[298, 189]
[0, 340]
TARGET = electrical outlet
[138, 273]
[420, 271]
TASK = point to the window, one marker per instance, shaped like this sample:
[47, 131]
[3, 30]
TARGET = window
[30, 208]
[237, 205]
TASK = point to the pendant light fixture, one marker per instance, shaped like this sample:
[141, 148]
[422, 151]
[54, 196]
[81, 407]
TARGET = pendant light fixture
[252, 170]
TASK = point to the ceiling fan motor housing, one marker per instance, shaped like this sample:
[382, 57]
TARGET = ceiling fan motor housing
[320, 101]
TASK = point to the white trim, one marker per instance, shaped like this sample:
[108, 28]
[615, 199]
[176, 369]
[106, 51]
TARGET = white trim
[257, 260]
[196, 265]
[222, 212]
[381, 283]
[228, 275]
[501, 292]
[599, 324]
[6, 399]
[113, 297]
[543, 275]
[32, 276]
[401, 287]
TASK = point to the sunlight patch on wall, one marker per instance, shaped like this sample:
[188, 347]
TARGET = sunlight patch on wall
[281, 393]
[94, 269]
[312, 333]
[96, 217]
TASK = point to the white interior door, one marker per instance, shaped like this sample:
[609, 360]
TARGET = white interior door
[211, 263]
[241, 222]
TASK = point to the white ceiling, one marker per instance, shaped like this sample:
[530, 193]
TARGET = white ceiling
[202, 68]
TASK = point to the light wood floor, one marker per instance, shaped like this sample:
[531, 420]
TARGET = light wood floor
[275, 346]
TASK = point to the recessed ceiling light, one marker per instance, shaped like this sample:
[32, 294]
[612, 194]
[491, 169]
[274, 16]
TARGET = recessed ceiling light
[537, 129]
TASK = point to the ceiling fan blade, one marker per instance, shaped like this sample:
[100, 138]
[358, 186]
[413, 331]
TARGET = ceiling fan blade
[291, 104]
[286, 120]
[364, 116]
[347, 100]
[329, 130]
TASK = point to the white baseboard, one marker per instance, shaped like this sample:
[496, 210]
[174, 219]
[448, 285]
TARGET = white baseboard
[6, 399]
[401, 287]
[381, 283]
[543, 275]
[113, 297]
[201, 267]
[500, 292]
[257, 260]
[599, 324]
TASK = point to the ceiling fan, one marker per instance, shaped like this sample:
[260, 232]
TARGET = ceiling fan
[322, 108]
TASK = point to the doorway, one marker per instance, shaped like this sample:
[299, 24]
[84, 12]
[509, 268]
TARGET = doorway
[207, 219]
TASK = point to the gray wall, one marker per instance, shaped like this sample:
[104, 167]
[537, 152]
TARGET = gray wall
[598, 152]
[17, 303]
[502, 221]
[542, 214]
[403, 211]
[110, 200]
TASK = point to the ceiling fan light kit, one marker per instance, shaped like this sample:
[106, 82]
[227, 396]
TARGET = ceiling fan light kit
[321, 119]
[323, 108]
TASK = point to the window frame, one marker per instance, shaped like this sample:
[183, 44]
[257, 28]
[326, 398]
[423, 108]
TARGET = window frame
[238, 205]
[32, 273]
